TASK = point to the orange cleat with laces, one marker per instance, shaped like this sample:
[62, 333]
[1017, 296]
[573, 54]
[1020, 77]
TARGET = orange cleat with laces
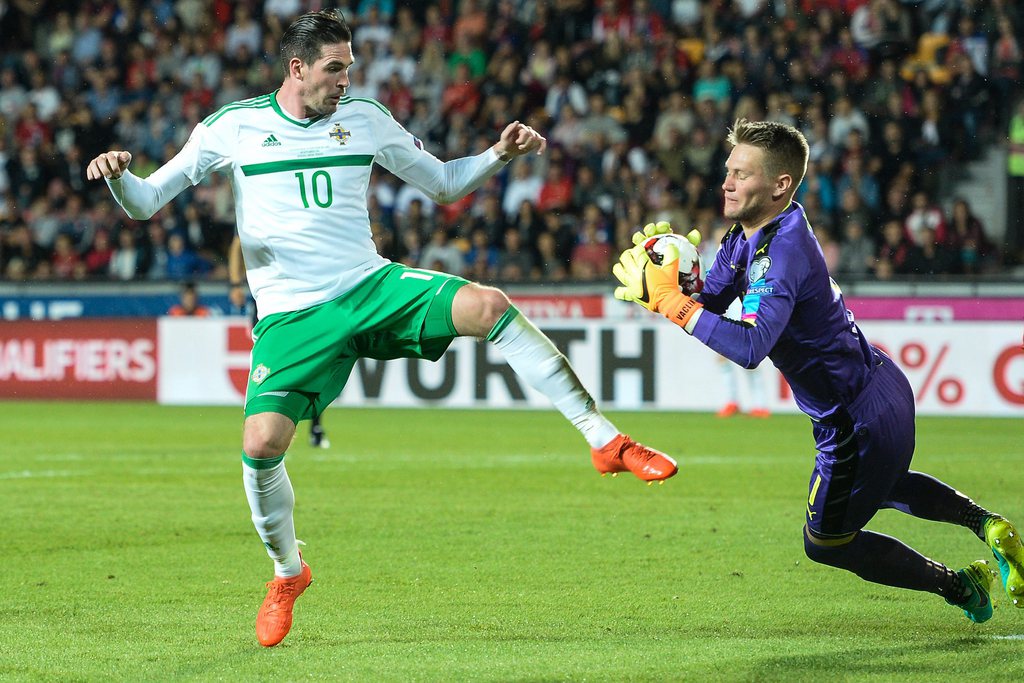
[274, 619]
[625, 455]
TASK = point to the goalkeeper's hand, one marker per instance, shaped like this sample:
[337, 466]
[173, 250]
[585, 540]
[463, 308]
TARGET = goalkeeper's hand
[644, 282]
[663, 228]
[654, 287]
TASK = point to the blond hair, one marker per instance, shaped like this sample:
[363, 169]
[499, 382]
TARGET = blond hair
[785, 148]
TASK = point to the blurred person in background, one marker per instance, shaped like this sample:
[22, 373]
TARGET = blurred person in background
[188, 303]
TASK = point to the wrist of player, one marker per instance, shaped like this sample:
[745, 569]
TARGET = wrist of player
[504, 156]
[680, 309]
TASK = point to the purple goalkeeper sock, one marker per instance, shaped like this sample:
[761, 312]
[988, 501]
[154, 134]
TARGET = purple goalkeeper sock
[886, 560]
[924, 496]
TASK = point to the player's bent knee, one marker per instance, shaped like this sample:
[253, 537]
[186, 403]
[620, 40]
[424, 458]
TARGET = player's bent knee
[493, 304]
[477, 309]
[830, 551]
[267, 435]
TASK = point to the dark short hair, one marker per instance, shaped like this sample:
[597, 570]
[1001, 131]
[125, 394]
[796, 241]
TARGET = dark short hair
[785, 148]
[306, 36]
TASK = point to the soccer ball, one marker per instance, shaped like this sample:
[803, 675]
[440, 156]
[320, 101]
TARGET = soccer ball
[690, 280]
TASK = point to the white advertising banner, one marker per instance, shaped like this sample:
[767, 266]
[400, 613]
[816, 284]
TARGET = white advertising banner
[959, 368]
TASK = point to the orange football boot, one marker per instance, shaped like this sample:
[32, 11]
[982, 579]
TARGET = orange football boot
[274, 619]
[625, 455]
[760, 413]
[728, 410]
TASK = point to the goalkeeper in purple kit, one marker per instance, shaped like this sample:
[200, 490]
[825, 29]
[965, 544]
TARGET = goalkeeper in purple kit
[860, 403]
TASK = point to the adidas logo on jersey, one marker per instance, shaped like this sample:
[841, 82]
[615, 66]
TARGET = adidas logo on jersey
[271, 141]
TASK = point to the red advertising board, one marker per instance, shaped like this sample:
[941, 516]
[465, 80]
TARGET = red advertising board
[87, 358]
[572, 306]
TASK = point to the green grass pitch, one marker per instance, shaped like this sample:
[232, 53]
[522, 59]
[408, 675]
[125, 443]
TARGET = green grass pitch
[471, 546]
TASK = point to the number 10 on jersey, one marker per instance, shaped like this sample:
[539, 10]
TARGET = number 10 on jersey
[319, 187]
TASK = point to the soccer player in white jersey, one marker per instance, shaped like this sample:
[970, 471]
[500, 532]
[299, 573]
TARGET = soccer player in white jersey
[299, 160]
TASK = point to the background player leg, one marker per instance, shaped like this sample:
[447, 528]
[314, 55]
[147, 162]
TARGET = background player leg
[730, 381]
[317, 434]
[758, 394]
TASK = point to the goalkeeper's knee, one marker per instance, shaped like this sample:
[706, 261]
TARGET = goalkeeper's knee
[838, 552]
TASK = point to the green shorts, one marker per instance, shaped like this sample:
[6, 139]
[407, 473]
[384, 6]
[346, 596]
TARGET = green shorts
[301, 360]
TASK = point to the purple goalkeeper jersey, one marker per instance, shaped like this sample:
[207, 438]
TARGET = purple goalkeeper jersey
[793, 313]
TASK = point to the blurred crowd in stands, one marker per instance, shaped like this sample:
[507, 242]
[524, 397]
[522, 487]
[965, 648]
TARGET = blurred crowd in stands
[635, 98]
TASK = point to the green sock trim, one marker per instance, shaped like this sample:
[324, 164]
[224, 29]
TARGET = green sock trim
[506, 318]
[262, 463]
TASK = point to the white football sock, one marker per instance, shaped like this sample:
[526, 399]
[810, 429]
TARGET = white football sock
[546, 369]
[729, 371]
[758, 393]
[271, 500]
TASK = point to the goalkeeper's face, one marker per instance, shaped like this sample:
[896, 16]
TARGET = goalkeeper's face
[749, 192]
[324, 81]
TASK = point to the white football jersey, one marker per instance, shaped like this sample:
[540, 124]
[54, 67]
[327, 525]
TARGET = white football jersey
[300, 190]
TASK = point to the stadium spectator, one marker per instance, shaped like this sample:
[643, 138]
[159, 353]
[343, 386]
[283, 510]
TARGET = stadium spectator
[97, 258]
[182, 262]
[929, 255]
[188, 304]
[966, 236]
[592, 256]
[515, 262]
[924, 215]
[440, 254]
[65, 260]
[157, 254]
[1007, 62]
[550, 266]
[556, 191]
[21, 254]
[481, 260]
[127, 258]
[846, 117]
[857, 179]
[856, 251]
[524, 186]
[895, 249]
[491, 219]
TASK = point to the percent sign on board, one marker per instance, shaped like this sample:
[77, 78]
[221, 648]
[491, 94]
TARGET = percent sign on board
[914, 356]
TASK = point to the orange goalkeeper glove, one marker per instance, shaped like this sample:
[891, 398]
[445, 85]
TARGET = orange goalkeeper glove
[654, 287]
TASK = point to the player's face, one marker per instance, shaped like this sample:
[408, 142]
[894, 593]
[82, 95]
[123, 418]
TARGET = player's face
[325, 80]
[748, 190]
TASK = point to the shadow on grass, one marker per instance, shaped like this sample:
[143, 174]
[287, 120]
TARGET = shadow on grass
[959, 657]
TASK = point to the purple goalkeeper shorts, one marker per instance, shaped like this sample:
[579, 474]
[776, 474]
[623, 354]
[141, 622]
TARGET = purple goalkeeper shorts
[862, 452]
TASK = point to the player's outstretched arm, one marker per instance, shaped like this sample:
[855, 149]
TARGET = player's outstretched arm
[518, 139]
[139, 198]
[448, 181]
[108, 165]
